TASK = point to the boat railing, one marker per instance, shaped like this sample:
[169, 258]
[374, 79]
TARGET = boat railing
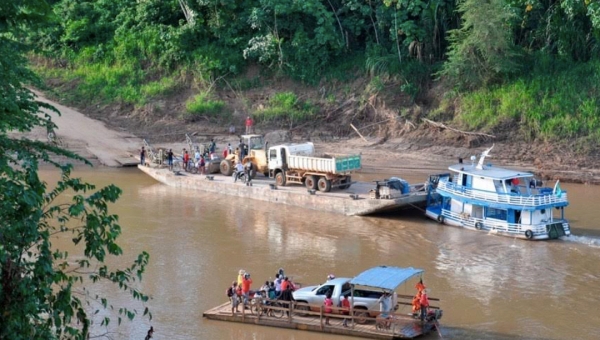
[541, 199]
[502, 226]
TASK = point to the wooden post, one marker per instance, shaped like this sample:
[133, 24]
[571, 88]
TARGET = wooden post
[361, 136]
[352, 305]
[321, 316]
[290, 305]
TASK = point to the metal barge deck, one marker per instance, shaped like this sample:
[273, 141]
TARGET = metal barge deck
[354, 201]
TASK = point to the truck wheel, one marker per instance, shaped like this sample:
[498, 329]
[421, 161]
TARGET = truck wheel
[360, 316]
[226, 167]
[311, 182]
[346, 183]
[280, 179]
[324, 184]
[301, 310]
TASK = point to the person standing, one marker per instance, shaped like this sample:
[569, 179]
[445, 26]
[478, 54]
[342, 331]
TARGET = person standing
[249, 125]
[202, 165]
[286, 295]
[212, 147]
[328, 302]
[246, 282]
[143, 156]
[242, 148]
[170, 159]
[278, 282]
[346, 308]
[249, 168]
[186, 160]
[229, 149]
[232, 294]
[424, 304]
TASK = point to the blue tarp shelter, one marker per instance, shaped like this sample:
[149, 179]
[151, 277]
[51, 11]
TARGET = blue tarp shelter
[385, 278]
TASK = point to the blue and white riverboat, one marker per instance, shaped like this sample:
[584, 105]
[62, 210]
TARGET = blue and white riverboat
[506, 202]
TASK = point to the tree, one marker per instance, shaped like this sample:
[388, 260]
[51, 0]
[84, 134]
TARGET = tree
[43, 292]
[481, 51]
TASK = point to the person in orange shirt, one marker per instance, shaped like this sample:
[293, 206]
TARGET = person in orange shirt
[246, 282]
[186, 160]
[416, 301]
[416, 304]
[346, 308]
[285, 283]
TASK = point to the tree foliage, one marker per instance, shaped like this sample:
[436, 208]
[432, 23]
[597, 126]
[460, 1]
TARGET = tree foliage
[482, 51]
[44, 292]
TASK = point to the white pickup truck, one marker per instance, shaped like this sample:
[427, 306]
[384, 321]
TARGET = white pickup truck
[297, 163]
[365, 300]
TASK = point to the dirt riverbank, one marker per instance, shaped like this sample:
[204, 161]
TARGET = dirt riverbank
[421, 151]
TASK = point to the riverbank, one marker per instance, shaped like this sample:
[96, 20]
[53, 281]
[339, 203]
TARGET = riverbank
[422, 151]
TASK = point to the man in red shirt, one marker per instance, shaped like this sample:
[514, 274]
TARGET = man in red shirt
[246, 282]
[186, 159]
[249, 123]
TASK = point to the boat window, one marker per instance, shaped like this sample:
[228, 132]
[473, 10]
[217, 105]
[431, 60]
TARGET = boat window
[499, 214]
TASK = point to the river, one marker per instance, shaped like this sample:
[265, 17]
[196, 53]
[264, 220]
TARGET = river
[491, 287]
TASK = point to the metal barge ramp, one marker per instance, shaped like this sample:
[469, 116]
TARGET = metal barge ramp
[407, 328]
[354, 201]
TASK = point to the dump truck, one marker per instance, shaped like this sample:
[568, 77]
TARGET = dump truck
[297, 163]
[256, 155]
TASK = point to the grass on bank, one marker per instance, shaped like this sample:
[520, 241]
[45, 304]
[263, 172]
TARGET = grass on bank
[286, 107]
[557, 101]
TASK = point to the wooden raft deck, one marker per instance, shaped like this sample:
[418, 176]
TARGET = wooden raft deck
[406, 328]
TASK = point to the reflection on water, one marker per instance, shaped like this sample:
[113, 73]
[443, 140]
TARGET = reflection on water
[491, 287]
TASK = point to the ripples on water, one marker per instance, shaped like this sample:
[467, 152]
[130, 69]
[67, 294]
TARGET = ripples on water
[491, 287]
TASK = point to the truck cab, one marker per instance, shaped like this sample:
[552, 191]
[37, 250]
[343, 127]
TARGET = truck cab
[278, 154]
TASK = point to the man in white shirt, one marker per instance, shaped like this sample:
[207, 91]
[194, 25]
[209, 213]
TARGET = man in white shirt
[239, 170]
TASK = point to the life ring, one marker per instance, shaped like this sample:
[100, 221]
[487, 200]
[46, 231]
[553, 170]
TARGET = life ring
[440, 218]
[478, 225]
[529, 234]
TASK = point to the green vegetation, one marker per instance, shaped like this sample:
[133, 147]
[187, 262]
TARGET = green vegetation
[551, 104]
[132, 51]
[45, 292]
[287, 108]
[202, 105]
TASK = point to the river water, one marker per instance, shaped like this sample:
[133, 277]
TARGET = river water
[491, 287]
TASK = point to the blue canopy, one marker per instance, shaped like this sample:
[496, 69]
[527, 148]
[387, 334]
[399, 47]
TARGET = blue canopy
[382, 277]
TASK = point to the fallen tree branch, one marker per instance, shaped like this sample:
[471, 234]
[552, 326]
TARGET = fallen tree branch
[442, 126]
[361, 136]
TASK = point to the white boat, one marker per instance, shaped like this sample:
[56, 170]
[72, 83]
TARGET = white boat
[506, 202]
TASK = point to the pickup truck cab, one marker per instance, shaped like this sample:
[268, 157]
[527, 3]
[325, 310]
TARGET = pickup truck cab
[365, 300]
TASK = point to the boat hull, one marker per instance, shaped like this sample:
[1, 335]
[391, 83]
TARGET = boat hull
[553, 230]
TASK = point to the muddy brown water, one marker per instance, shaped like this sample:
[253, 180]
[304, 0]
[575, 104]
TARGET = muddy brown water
[491, 287]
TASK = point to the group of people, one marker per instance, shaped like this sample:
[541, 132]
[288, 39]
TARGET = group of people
[420, 302]
[280, 289]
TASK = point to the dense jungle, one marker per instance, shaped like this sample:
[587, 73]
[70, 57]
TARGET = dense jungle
[522, 73]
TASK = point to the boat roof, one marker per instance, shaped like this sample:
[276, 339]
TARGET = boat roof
[383, 277]
[489, 171]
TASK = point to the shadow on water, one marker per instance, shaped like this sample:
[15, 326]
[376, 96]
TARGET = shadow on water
[472, 334]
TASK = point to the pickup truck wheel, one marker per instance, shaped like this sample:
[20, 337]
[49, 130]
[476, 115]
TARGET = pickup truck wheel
[311, 182]
[360, 316]
[280, 179]
[324, 184]
[302, 309]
